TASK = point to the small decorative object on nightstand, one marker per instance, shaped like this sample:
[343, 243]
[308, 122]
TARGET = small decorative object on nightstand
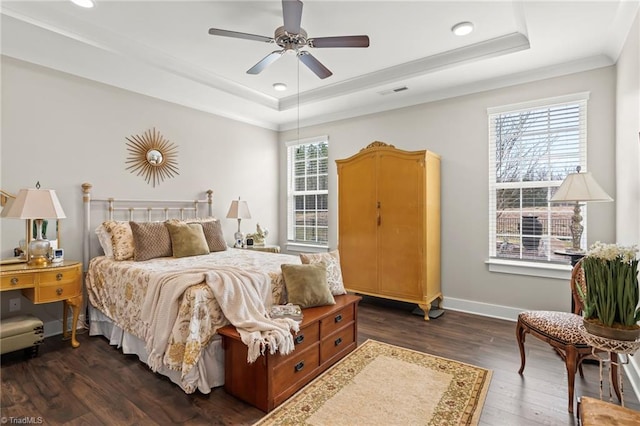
[56, 282]
[260, 236]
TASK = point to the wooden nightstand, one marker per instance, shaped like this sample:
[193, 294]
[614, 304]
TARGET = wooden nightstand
[52, 283]
[267, 247]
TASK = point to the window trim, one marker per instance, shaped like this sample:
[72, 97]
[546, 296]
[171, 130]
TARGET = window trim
[291, 241]
[542, 268]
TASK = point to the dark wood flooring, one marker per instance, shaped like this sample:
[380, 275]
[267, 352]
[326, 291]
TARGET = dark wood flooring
[97, 385]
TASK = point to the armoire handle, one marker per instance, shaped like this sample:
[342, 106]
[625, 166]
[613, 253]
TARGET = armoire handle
[378, 214]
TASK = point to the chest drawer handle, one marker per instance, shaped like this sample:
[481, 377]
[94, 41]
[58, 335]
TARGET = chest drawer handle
[299, 339]
[59, 276]
[338, 318]
[299, 366]
[14, 281]
[338, 341]
[59, 291]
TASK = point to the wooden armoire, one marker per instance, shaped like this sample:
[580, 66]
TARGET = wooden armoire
[389, 224]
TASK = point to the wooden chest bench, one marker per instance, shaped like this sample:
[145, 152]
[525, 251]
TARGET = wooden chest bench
[327, 334]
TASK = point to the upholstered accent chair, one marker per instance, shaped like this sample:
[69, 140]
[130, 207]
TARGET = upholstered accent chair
[560, 330]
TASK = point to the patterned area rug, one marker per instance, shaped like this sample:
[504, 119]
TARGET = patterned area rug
[382, 384]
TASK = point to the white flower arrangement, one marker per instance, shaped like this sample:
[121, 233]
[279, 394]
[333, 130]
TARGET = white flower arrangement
[612, 252]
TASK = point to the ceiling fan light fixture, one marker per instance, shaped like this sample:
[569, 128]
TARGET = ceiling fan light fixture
[280, 87]
[462, 28]
[87, 4]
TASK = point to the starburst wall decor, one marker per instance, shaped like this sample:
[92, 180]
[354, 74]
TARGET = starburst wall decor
[152, 156]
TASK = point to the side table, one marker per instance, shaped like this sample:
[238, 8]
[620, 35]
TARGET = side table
[617, 353]
[573, 255]
[56, 282]
[267, 247]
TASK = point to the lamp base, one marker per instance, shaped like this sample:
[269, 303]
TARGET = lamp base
[39, 252]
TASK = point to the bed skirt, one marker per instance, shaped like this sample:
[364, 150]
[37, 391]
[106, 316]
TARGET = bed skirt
[206, 375]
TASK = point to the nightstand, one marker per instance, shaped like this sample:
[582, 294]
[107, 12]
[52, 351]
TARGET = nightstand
[267, 247]
[46, 284]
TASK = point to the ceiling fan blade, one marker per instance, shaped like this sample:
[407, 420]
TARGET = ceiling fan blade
[292, 15]
[266, 61]
[314, 65]
[343, 41]
[236, 34]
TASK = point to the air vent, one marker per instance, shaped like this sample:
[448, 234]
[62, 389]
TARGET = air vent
[396, 90]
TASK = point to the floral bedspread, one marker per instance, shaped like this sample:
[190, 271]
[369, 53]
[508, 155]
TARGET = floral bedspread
[118, 289]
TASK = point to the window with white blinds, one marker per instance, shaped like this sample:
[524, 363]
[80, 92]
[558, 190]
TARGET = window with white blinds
[532, 148]
[307, 194]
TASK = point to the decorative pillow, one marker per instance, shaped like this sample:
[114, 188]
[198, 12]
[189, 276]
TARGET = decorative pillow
[307, 285]
[187, 239]
[151, 240]
[334, 273]
[104, 238]
[214, 236]
[121, 239]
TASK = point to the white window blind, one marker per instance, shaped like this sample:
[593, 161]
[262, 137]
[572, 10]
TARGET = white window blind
[532, 148]
[307, 194]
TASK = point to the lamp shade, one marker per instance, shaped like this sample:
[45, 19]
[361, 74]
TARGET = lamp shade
[239, 210]
[34, 204]
[580, 187]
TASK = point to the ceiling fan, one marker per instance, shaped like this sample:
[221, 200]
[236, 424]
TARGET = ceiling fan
[291, 37]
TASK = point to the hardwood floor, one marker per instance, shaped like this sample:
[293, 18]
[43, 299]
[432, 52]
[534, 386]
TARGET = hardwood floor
[97, 385]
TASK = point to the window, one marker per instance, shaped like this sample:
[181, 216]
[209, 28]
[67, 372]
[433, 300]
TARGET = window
[532, 148]
[307, 197]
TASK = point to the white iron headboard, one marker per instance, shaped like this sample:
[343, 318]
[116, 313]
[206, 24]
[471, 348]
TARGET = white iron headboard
[135, 210]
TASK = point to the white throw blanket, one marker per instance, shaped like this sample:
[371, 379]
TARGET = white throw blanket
[160, 310]
[244, 297]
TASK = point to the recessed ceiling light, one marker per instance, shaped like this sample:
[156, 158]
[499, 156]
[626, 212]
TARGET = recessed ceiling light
[280, 87]
[88, 4]
[462, 28]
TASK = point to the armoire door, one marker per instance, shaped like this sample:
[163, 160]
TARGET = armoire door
[358, 223]
[401, 197]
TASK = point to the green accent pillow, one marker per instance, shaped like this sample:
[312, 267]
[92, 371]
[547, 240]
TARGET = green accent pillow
[187, 239]
[307, 285]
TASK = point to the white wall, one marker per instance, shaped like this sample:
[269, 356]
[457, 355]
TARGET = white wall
[628, 156]
[628, 139]
[63, 130]
[457, 129]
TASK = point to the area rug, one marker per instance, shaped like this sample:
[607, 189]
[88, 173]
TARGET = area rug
[382, 384]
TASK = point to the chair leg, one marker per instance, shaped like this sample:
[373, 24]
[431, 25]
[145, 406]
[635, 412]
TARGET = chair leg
[520, 335]
[571, 363]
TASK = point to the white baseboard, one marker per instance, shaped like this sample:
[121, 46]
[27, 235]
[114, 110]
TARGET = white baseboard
[633, 373]
[485, 309]
[53, 328]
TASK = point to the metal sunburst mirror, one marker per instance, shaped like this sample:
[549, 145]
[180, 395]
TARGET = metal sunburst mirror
[152, 156]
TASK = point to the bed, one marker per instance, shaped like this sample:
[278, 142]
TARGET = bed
[118, 286]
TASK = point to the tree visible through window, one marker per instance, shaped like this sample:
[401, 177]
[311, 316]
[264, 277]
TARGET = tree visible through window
[308, 193]
[532, 149]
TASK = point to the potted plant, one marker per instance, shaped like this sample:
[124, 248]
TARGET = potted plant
[610, 305]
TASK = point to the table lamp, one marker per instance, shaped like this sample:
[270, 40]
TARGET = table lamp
[37, 204]
[239, 210]
[579, 187]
